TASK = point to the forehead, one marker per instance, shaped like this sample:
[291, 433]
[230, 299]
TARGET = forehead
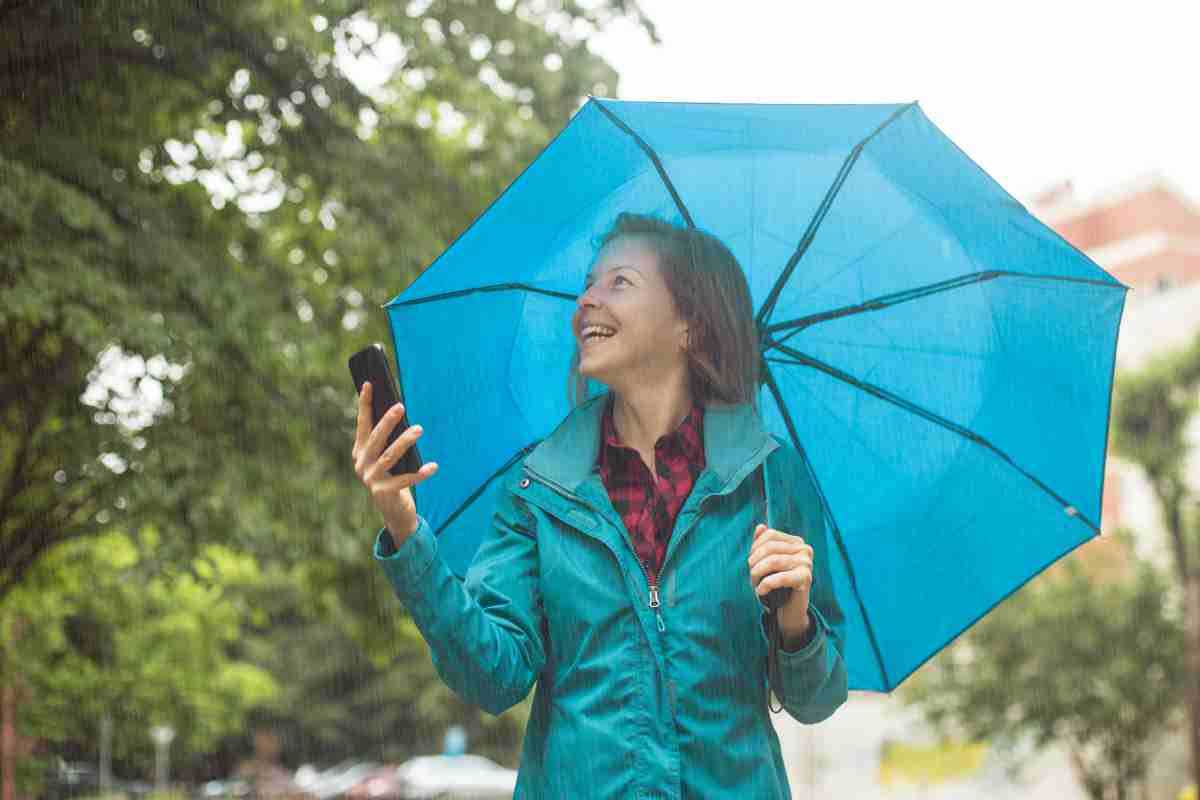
[626, 251]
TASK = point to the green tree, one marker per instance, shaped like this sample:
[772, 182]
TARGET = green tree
[200, 212]
[346, 691]
[1094, 666]
[1152, 412]
[143, 646]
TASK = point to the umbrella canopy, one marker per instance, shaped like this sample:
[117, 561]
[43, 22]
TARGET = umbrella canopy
[941, 359]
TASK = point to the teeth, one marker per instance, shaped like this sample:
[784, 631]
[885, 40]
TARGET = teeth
[592, 330]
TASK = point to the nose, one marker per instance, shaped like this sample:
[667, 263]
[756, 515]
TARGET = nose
[585, 299]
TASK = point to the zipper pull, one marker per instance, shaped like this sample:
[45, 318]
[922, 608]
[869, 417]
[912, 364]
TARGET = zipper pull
[655, 604]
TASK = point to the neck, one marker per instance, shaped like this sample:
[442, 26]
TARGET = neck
[645, 414]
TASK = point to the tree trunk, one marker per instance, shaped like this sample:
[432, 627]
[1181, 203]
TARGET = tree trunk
[1191, 659]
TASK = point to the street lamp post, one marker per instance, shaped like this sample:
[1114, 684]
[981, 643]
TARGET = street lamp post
[162, 736]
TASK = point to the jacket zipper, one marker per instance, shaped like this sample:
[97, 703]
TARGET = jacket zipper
[654, 603]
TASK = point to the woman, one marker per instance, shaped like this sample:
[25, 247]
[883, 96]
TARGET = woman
[629, 556]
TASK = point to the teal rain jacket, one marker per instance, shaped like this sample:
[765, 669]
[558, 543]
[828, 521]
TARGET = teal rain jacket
[632, 701]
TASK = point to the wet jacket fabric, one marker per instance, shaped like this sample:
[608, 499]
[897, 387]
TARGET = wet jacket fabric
[632, 701]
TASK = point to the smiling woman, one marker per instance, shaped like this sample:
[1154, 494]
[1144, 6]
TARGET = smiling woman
[634, 553]
[654, 282]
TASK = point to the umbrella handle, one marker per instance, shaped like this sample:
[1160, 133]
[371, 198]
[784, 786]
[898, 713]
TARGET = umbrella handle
[777, 597]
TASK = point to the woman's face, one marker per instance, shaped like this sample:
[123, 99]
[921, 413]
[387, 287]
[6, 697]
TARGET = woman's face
[626, 293]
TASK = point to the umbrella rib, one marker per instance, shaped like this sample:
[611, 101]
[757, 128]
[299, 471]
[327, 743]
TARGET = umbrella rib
[483, 486]
[806, 360]
[883, 301]
[496, 287]
[819, 216]
[649, 151]
[769, 379]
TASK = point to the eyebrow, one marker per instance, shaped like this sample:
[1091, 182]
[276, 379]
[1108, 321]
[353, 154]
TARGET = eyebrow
[614, 269]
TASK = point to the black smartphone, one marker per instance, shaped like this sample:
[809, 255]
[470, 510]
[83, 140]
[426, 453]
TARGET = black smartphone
[370, 365]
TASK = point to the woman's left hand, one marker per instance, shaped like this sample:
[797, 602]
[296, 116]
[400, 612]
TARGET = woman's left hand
[778, 559]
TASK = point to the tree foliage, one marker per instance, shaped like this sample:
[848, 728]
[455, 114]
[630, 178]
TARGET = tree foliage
[202, 207]
[1104, 668]
[94, 631]
[201, 213]
[1096, 667]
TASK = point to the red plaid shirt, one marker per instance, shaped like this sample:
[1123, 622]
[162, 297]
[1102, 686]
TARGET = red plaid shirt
[648, 504]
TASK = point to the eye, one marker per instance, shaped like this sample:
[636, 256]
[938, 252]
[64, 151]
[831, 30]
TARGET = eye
[588, 284]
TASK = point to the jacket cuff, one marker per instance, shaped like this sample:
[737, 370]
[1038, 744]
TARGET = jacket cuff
[407, 565]
[816, 638]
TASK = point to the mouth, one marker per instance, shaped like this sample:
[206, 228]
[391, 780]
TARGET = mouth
[595, 339]
[593, 336]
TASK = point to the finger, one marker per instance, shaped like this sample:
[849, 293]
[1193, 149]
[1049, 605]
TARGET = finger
[791, 579]
[364, 415]
[761, 534]
[779, 562]
[767, 584]
[768, 565]
[379, 436]
[398, 482]
[791, 544]
[399, 447]
[772, 535]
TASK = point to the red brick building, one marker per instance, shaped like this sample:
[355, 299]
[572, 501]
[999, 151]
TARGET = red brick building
[1146, 233]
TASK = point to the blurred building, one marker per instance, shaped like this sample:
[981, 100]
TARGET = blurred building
[1145, 233]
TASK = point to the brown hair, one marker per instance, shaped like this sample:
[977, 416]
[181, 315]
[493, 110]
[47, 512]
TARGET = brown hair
[712, 296]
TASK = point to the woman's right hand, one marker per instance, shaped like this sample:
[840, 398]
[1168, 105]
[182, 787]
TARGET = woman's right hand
[390, 493]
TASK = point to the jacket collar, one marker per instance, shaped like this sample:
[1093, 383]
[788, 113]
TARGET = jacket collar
[733, 434]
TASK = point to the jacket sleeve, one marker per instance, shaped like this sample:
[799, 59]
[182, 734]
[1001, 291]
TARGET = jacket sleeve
[485, 633]
[814, 677]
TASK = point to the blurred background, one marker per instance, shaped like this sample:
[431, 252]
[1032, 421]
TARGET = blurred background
[203, 205]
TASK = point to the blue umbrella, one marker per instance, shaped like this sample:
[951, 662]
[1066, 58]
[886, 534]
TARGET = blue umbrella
[941, 359]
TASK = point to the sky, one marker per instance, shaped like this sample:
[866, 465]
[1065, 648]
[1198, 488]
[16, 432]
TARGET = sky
[1035, 92]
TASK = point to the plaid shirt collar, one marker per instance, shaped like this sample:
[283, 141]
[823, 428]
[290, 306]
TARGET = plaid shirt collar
[685, 443]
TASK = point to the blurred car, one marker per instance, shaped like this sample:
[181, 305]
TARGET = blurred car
[335, 781]
[71, 779]
[224, 790]
[378, 784]
[461, 777]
